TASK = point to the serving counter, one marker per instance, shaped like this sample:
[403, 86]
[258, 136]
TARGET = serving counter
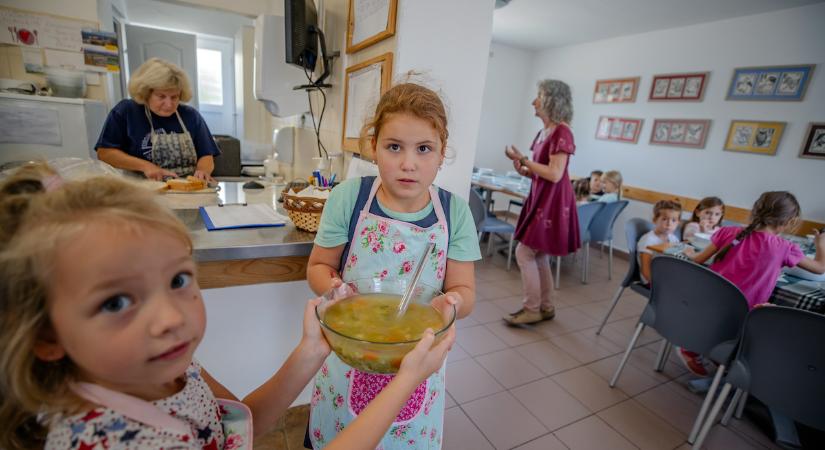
[242, 256]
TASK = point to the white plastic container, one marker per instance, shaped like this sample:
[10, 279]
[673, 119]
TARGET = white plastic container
[66, 83]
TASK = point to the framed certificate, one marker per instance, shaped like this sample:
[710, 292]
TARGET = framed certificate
[363, 85]
[369, 21]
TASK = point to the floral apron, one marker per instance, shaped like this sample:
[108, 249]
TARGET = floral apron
[173, 151]
[384, 248]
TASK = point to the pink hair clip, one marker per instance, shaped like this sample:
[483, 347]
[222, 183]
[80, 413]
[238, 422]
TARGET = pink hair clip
[52, 182]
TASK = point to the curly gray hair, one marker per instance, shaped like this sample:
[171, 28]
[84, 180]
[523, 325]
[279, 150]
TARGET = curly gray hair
[556, 100]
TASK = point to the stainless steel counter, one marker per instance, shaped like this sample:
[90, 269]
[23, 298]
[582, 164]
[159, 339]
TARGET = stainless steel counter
[247, 243]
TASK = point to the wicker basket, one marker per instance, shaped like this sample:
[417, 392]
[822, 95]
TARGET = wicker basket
[305, 212]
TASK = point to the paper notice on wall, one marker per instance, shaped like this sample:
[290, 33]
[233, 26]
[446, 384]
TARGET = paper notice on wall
[370, 18]
[363, 91]
[30, 125]
[32, 60]
[66, 60]
[360, 168]
[20, 28]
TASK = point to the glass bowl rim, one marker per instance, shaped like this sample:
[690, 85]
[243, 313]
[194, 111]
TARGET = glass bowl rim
[438, 333]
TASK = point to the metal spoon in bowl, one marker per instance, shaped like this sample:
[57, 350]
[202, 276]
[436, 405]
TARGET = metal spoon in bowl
[408, 294]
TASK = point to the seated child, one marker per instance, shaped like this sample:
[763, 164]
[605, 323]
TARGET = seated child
[666, 214]
[612, 186]
[100, 316]
[581, 188]
[596, 184]
[707, 218]
[752, 257]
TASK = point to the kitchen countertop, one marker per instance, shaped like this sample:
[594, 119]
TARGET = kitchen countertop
[246, 243]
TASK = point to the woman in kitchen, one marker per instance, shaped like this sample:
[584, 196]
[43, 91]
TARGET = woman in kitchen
[153, 133]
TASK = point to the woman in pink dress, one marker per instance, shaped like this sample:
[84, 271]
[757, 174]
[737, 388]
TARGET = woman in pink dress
[548, 224]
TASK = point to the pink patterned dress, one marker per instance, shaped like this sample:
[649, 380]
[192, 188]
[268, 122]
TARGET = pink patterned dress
[384, 248]
[549, 221]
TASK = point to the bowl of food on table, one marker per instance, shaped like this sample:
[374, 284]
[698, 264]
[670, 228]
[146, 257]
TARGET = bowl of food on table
[360, 321]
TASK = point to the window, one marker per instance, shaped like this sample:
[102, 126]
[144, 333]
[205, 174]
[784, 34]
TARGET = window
[210, 79]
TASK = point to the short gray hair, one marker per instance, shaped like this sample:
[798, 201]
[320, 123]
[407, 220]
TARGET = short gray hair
[158, 74]
[556, 100]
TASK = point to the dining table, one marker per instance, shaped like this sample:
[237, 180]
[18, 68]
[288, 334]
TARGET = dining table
[790, 290]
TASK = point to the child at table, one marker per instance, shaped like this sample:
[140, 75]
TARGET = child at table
[753, 257]
[581, 188]
[612, 186]
[378, 227]
[707, 218]
[596, 184]
[666, 214]
[100, 315]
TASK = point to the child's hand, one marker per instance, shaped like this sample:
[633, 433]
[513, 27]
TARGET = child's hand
[425, 358]
[313, 338]
[819, 241]
[341, 290]
[442, 302]
[689, 251]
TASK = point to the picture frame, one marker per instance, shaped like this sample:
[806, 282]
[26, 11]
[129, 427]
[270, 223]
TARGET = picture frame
[691, 133]
[369, 22]
[619, 129]
[770, 83]
[813, 145]
[364, 83]
[682, 87]
[617, 90]
[753, 136]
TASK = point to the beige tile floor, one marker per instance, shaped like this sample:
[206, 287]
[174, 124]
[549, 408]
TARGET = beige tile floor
[544, 387]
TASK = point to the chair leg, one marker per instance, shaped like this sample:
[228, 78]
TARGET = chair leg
[734, 402]
[661, 356]
[610, 262]
[613, 304]
[510, 253]
[697, 444]
[626, 355]
[585, 263]
[741, 408]
[558, 272]
[490, 243]
[697, 424]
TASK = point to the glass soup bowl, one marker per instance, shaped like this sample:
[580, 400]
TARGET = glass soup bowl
[381, 349]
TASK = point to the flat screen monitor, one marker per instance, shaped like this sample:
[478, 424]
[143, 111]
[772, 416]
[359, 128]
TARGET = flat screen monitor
[301, 19]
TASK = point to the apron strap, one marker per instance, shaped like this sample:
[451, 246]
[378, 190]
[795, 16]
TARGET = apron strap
[131, 407]
[149, 118]
[180, 121]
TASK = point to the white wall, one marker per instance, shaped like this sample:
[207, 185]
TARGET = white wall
[793, 36]
[509, 81]
[178, 17]
[449, 41]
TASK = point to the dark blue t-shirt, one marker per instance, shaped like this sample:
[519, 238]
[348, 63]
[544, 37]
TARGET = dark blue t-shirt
[127, 129]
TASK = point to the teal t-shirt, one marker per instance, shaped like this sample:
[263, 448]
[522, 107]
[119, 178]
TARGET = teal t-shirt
[335, 220]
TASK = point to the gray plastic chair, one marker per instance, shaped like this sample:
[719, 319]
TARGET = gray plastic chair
[586, 214]
[601, 230]
[634, 229]
[695, 308]
[780, 361]
[491, 225]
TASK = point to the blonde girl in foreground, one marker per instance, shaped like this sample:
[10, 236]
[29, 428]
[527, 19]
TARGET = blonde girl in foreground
[100, 315]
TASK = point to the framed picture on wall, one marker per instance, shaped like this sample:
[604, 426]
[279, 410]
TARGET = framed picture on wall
[621, 129]
[678, 87]
[369, 21]
[754, 137]
[363, 85]
[619, 90]
[774, 83]
[680, 132]
[813, 146]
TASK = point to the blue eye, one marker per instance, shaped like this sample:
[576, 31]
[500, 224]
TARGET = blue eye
[181, 280]
[424, 149]
[116, 304]
[394, 147]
